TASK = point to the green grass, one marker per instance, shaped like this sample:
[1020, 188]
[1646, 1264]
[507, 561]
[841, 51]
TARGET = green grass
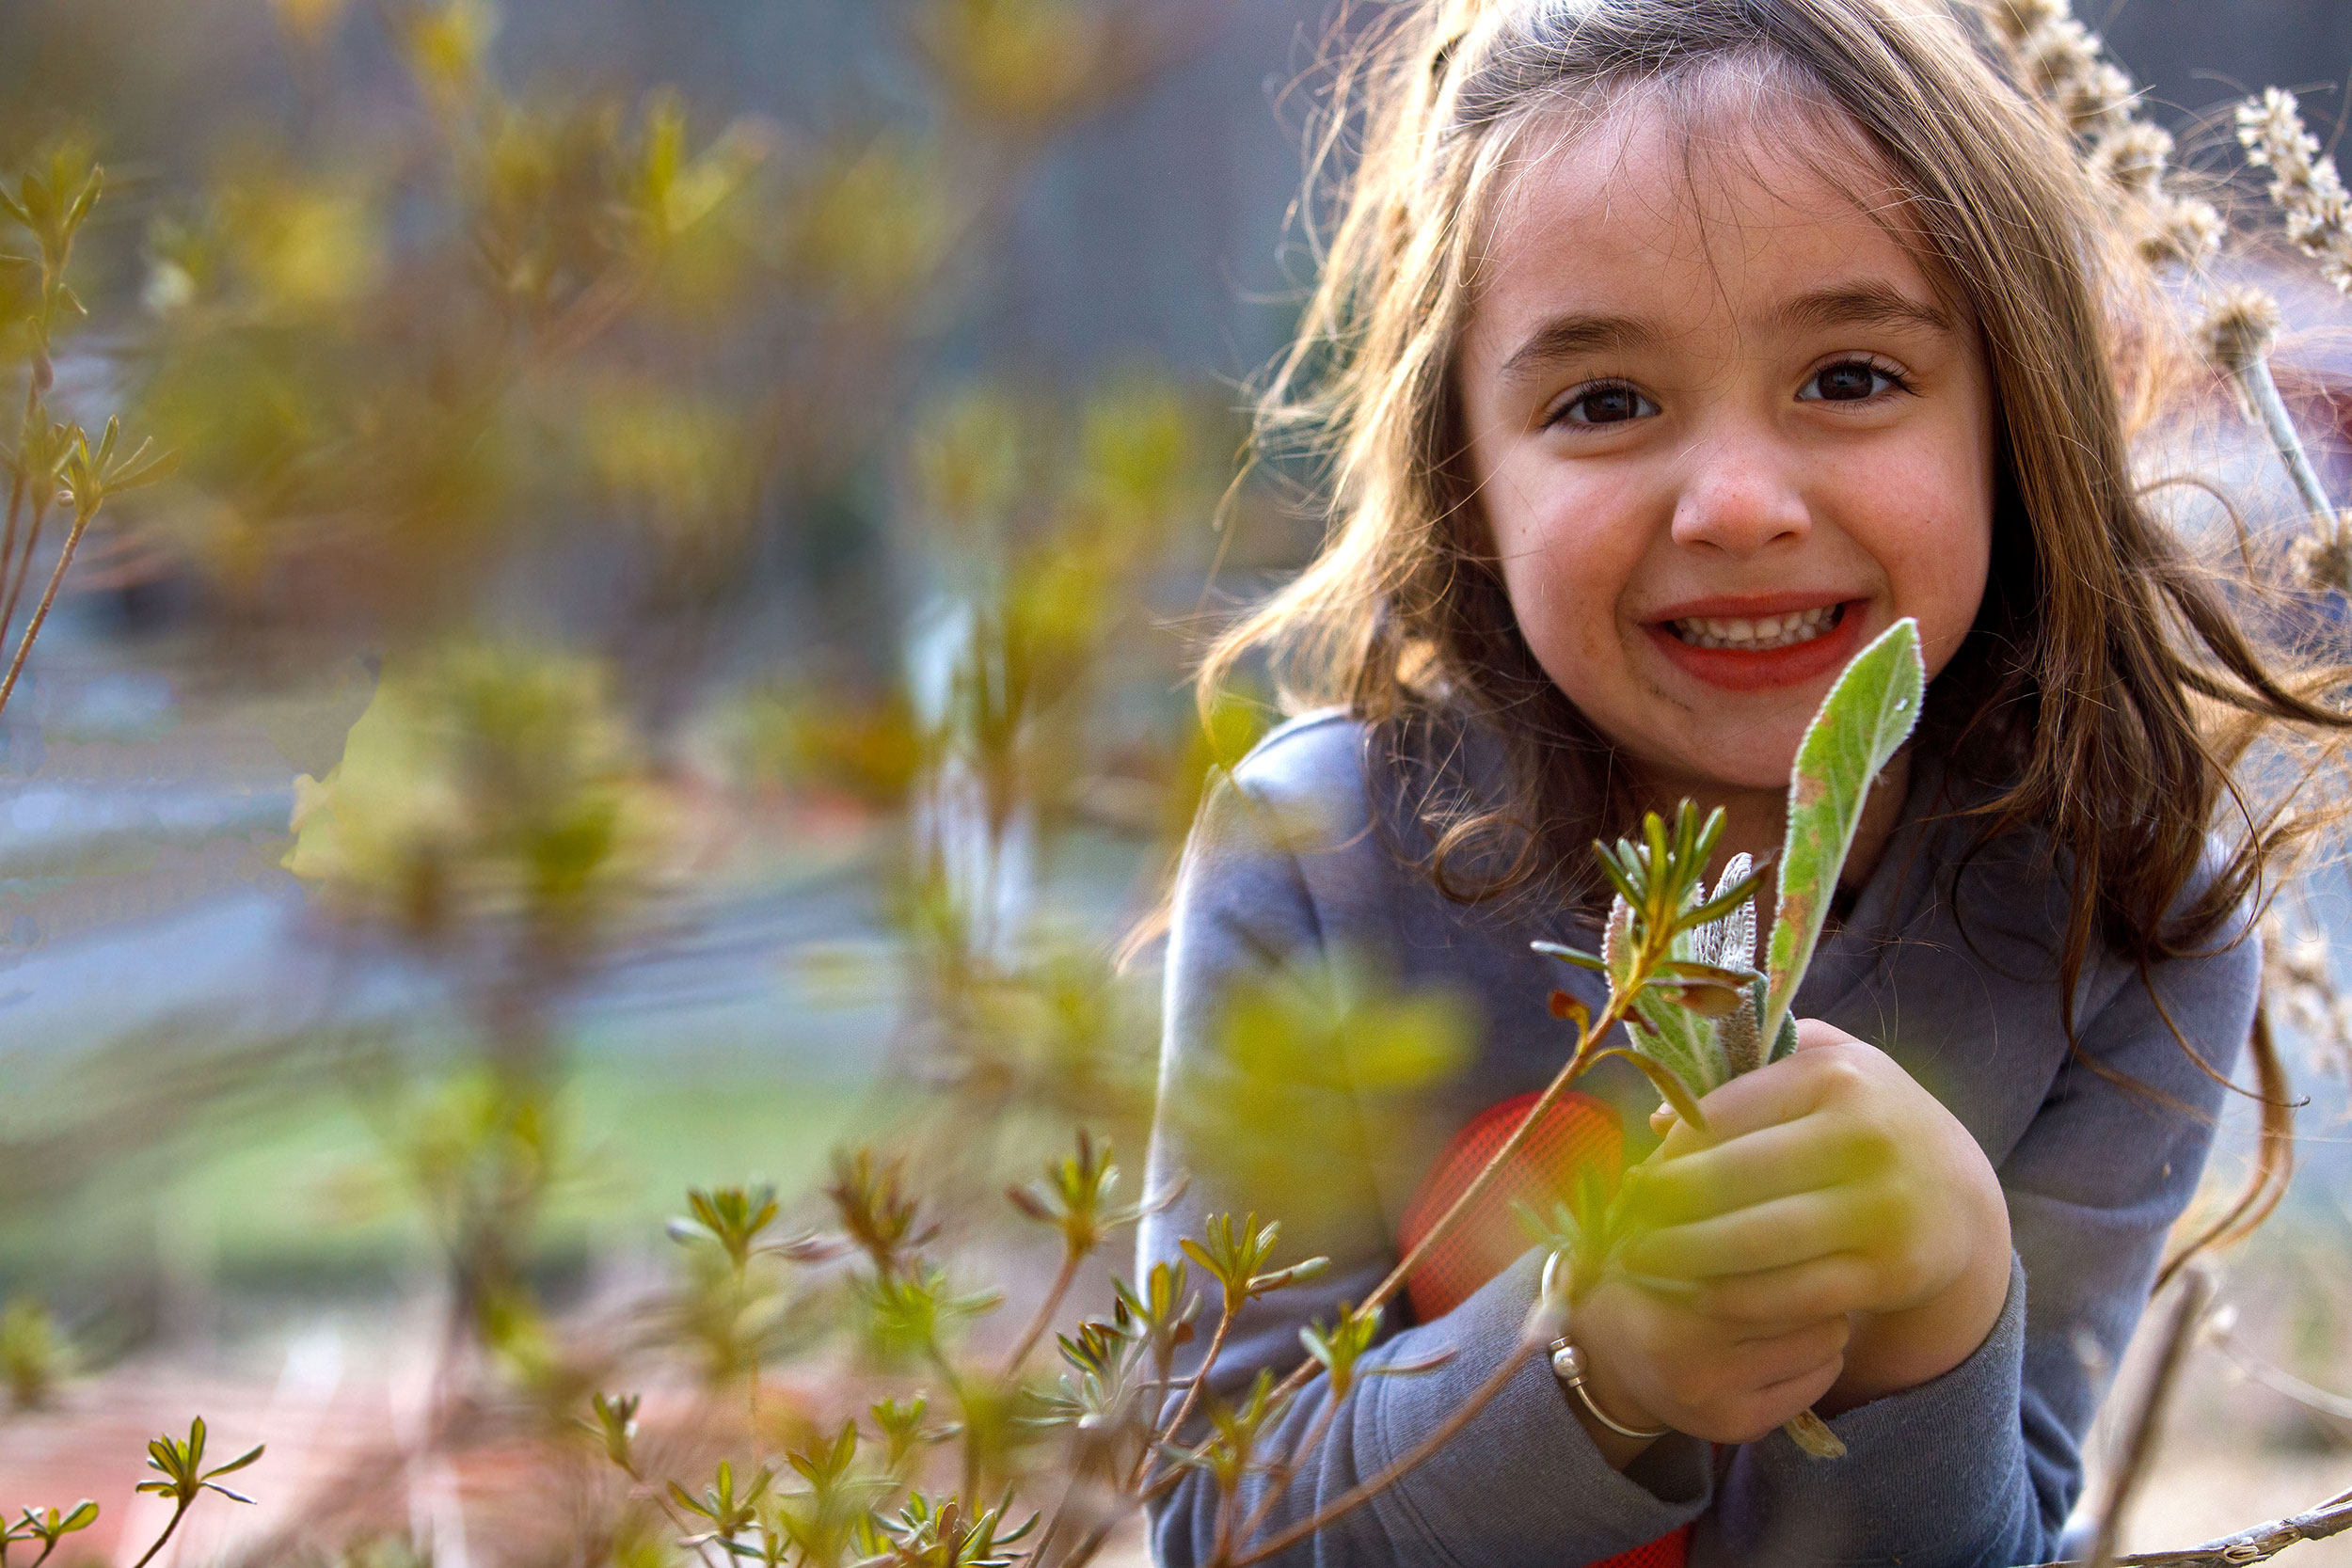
[302, 1192]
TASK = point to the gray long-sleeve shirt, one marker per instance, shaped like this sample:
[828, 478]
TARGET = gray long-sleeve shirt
[1291, 889]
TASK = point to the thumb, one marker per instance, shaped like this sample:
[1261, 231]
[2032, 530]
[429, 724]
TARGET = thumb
[1812, 1033]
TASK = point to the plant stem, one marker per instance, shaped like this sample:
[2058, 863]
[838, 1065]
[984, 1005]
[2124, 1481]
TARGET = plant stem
[1581, 1059]
[1166, 1433]
[1038, 1325]
[750, 1355]
[48, 598]
[16, 483]
[2256, 1544]
[669, 1509]
[2254, 379]
[1483, 1397]
[2189, 1311]
[178, 1513]
[1280, 1478]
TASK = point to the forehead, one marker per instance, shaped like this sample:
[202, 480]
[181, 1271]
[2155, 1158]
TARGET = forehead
[1711, 212]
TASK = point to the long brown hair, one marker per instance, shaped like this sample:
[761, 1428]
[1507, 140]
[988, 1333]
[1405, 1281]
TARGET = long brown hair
[2107, 694]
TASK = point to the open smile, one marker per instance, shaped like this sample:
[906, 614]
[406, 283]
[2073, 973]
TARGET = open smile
[1760, 634]
[1774, 645]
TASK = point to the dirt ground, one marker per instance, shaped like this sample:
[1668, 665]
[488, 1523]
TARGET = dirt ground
[337, 1407]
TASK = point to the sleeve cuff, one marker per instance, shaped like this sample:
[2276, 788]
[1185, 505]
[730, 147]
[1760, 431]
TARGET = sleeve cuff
[1525, 1465]
[1893, 1489]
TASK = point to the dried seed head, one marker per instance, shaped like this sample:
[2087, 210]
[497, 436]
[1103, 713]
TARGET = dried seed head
[2180, 230]
[2132, 160]
[2057, 56]
[2017, 20]
[2100, 103]
[2239, 328]
[2305, 186]
[2271, 128]
[2323, 563]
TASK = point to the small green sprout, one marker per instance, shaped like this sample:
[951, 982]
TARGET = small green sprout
[1235, 1257]
[181, 1464]
[615, 1426]
[875, 1213]
[1074, 1196]
[729, 1515]
[902, 1430]
[929, 1534]
[48, 1526]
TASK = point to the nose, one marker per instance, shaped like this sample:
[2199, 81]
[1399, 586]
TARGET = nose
[1738, 496]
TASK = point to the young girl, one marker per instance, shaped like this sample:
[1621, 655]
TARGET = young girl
[1669, 351]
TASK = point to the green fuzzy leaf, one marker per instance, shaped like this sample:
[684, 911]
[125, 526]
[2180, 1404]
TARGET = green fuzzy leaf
[1867, 715]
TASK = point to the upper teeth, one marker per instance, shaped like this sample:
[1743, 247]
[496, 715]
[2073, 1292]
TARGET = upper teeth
[1766, 631]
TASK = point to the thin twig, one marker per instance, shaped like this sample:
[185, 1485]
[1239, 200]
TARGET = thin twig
[2263, 392]
[12, 584]
[1166, 1433]
[2257, 1544]
[1345, 1501]
[150, 1555]
[2145, 1426]
[1045, 1318]
[1280, 1478]
[1579, 1060]
[2283, 1382]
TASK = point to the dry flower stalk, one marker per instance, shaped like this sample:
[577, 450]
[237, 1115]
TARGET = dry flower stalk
[2187, 1314]
[2299, 980]
[2304, 186]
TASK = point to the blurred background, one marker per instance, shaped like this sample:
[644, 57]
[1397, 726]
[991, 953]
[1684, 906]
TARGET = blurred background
[663, 656]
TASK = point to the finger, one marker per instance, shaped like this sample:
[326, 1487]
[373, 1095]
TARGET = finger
[1710, 1374]
[1661, 1120]
[1814, 1033]
[1790, 1157]
[1764, 1363]
[1772, 1235]
[1829, 1286]
[1772, 1405]
[1787, 1089]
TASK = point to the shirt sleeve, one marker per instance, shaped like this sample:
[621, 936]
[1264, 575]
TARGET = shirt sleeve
[1522, 1483]
[1981, 1465]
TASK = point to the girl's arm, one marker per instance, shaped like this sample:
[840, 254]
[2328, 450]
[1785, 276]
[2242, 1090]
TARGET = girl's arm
[1255, 1129]
[1981, 1465]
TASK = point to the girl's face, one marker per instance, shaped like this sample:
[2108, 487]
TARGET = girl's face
[1724, 433]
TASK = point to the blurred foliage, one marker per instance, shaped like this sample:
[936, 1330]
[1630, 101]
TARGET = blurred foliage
[483, 784]
[617, 441]
[33, 1353]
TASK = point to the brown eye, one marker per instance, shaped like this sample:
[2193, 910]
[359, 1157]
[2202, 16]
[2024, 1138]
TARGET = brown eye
[1849, 381]
[1606, 404]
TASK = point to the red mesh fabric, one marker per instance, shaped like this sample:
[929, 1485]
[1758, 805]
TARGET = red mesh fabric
[1667, 1551]
[1577, 1131]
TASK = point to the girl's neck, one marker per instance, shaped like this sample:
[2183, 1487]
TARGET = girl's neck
[1755, 822]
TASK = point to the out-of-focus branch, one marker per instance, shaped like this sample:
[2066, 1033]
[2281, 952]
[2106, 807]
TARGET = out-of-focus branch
[2145, 1428]
[2258, 1543]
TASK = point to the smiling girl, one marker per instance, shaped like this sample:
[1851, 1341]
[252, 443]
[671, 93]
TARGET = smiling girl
[1667, 351]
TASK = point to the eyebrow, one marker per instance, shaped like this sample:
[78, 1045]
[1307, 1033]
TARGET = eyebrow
[1856, 304]
[1566, 337]
[1862, 305]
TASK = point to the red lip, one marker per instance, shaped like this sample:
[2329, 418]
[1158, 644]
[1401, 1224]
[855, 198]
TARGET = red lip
[1760, 670]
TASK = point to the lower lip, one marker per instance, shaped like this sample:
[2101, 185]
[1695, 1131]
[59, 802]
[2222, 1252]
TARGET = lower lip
[1765, 669]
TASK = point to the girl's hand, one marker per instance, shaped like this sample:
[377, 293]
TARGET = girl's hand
[1651, 1360]
[1832, 1185]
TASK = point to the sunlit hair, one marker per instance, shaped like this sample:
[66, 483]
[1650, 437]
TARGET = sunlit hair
[2106, 693]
